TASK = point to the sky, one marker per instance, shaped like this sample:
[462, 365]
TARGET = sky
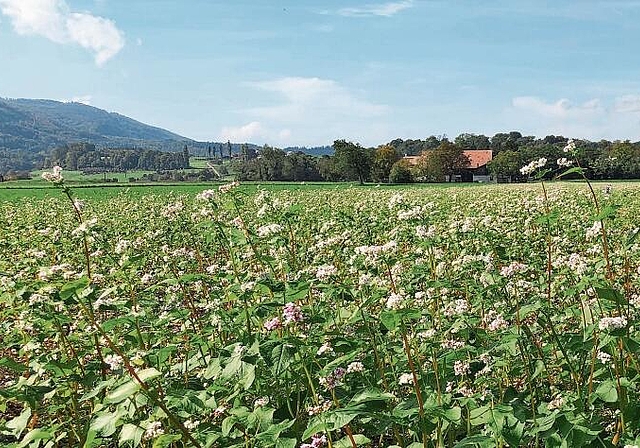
[308, 72]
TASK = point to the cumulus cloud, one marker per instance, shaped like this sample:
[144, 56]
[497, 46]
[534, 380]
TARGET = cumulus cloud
[309, 111]
[245, 133]
[380, 10]
[562, 108]
[308, 97]
[54, 20]
[595, 119]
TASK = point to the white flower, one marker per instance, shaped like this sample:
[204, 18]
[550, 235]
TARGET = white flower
[533, 165]
[269, 229]
[604, 357]
[355, 366]
[405, 379]
[564, 162]
[594, 231]
[394, 301]
[206, 195]
[228, 187]
[324, 272]
[325, 348]
[612, 323]
[113, 361]
[570, 147]
[153, 430]
[54, 176]
[461, 368]
[556, 403]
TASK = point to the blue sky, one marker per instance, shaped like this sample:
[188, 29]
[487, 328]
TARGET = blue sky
[308, 72]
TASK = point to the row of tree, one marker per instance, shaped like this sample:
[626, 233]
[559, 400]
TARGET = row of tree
[86, 157]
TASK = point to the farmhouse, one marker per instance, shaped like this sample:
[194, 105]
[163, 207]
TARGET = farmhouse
[475, 171]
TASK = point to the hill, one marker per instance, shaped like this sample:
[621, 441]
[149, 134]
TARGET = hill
[39, 125]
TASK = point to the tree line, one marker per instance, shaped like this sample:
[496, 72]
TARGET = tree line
[86, 157]
[439, 159]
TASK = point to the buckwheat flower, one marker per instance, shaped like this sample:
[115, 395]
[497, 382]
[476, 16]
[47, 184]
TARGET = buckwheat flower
[261, 402]
[461, 368]
[191, 424]
[532, 166]
[268, 230]
[355, 367]
[273, 324]
[594, 230]
[512, 269]
[570, 147]
[612, 323]
[113, 361]
[556, 403]
[54, 176]
[406, 379]
[606, 190]
[153, 430]
[228, 187]
[78, 204]
[206, 195]
[325, 348]
[219, 411]
[292, 313]
[604, 357]
[494, 321]
[427, 334]
[564, 162]
[395, 200]
[317, 441]
[325, 272]
[394, 301]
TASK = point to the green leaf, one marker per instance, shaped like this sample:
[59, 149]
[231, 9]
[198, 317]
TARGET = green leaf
[130, 433]
[607, 392]
[611, 295]
[371, 395]
[390, 319]
[35, 434]
[19, 423]
[573, 170]
[166, 440]
[122, 392]
[345, 442]
[476, 441]
[11, 364]
[73, 288]
[286, 443]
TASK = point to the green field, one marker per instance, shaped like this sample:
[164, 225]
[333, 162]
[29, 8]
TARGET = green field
[278, 315]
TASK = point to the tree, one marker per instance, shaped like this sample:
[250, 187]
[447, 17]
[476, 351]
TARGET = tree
[400, 172]
[507, 165]
[383, 160]
[472, 141]
[444, 161]
[351, 161]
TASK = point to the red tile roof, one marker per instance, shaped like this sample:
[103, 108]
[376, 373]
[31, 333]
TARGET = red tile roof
[477, 157]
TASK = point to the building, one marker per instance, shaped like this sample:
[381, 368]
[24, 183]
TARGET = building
[475, 171]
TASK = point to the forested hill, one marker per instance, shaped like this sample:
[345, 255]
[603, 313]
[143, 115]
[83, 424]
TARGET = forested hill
[36, 125]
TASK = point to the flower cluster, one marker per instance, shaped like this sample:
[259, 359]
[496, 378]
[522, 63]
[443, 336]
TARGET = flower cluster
[532, 166]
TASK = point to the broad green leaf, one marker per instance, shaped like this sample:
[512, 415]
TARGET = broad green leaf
[19, 423]
[607, 391]
[345, 442]
[130, 433]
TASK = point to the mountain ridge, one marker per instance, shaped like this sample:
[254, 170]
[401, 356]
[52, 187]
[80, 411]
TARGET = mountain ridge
[42, 124]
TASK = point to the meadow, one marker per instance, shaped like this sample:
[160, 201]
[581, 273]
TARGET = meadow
[339, 316]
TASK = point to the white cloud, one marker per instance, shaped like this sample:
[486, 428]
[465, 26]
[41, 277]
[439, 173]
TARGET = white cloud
[248, 132]
[318, 110]
[627, 103]
[381, 9]
[614, 118]
[54, 20]
[562, 108]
